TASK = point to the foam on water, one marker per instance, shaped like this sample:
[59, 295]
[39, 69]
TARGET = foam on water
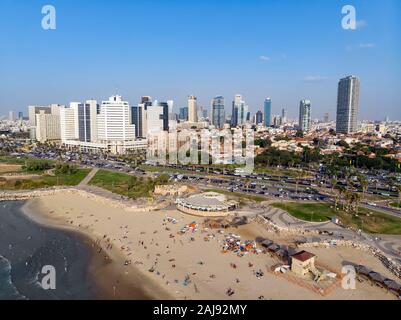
[7, 290]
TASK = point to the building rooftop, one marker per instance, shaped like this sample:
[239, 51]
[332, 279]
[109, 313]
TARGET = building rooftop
[303, 256]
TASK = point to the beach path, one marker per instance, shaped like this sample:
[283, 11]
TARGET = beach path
[88, 178]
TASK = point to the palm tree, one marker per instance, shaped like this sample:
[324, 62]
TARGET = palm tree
[341, 193]
[299, 175]
[334, 183]
[364, 184]
[356, 198]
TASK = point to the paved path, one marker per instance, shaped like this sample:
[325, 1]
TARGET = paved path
[88, 178]
[391, 245]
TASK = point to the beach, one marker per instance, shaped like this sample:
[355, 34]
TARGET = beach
[143, 255]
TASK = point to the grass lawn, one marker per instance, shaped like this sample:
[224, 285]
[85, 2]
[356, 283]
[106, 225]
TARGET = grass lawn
[238, 195]
[124, 184]
[396, 204]
[45, 181]
[369, 221]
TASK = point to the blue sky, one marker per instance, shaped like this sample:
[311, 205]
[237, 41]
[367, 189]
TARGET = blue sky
[284, 49]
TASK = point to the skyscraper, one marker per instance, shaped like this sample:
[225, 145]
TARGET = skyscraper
[20, 115]
[347, 105]
[47, 126]
[183, 115]
[305, 115]
[259, 117]
[67, 124]
[192, 109]
[283, 116]
[11, 116]
[136, 114]
[33, 111]
[326, 117]
[267, 108]
[115, 121]
[218, 113]
[84, 122]
[239, 111]
[94, 110]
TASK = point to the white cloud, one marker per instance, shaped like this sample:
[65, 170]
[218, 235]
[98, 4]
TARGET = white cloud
[315, 78]
[264, 58]
[361, 24]
[367, 45]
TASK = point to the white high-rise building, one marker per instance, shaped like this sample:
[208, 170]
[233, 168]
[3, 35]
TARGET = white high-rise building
[33, 111]
[154, 119]
[114, 121]
[68, 124]
[305, 119]
[11, 116]
[347, 105]
[47, 127]
[93, 110]
[192, 109]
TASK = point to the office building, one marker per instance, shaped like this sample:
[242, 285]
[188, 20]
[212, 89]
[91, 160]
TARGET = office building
[47, 127]
[33, 111]
[192, 109]
[218, 113]
[258, 118]
[183, 114]
[305, 119]
[11, 116]
[114, 121]
[267, 108]
[68, 124]
[283, 116]
[347, 105]
[137, 120]
[94, 110]
[239, 111]
[84, 122]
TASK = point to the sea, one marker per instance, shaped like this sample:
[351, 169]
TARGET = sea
[26, 247]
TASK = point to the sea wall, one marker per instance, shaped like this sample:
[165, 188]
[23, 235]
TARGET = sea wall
[127, 205]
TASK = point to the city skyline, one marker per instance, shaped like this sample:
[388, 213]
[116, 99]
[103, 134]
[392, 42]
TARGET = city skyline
[266, 64]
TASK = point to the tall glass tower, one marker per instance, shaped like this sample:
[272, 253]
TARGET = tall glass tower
[267, 108]
[305, 111]
[218, 113]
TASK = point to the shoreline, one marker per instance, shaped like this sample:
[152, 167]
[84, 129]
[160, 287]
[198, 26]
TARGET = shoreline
[107, 273]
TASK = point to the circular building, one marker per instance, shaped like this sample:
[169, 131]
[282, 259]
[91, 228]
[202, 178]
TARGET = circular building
[208, 204]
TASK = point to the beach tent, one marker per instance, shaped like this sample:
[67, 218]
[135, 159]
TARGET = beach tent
[363, 271]
[266, 243]
[377, 278]
[392, 286]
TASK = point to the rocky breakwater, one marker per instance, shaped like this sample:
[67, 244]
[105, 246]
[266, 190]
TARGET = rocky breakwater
[270, 225]
[29, 194]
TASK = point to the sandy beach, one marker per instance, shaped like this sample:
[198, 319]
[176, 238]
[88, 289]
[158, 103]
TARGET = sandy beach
[141, 255]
